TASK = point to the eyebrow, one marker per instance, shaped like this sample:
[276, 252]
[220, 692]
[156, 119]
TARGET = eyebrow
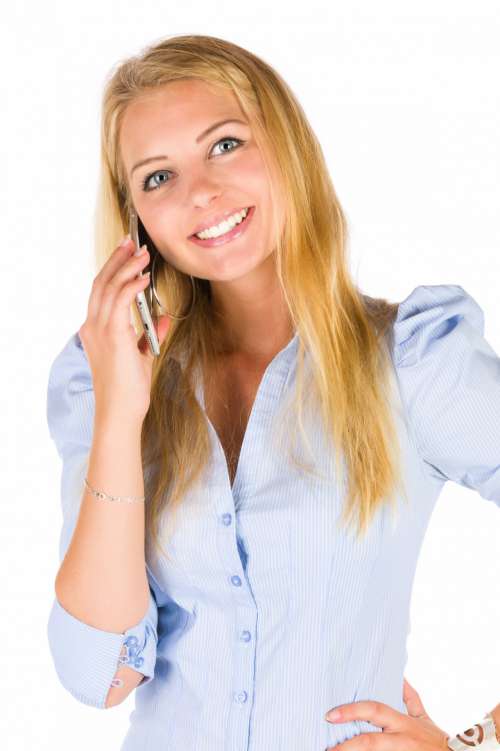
[200, 138]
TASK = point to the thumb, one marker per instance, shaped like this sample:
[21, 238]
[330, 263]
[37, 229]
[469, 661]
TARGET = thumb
[162, 325]
[413, 701]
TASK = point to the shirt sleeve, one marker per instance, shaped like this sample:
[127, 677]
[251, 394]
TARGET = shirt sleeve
[449, 378]
[86, 658]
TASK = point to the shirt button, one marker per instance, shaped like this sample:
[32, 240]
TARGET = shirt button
[241, 697]
[236, 581]
[245, 636]
[226, 518]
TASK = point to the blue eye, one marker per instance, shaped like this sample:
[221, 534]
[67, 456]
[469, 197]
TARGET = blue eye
[236, 140]
[146, 180]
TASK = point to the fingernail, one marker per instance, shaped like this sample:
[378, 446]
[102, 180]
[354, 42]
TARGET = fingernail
[125, 241]
[142, 250]
[334, 714]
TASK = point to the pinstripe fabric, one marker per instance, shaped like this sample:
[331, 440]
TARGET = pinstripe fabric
[270, 613]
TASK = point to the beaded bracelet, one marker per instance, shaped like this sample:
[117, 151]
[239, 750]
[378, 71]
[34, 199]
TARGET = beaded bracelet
[103, 496]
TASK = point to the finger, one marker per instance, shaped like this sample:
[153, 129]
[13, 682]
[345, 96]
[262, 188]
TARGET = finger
[375, 712]
[413, 702]
[116, 260]
[118, 256]
[119, 320]
[112, 299]
[378, 742]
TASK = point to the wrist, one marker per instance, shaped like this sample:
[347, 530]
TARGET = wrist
[110, 421]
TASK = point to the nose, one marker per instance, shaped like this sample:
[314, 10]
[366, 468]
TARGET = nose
[202, 190]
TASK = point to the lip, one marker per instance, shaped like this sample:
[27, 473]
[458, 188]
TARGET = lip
[216, 219]
[235, 232]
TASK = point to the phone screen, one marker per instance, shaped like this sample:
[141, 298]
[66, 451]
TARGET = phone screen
[143, 236]
[137, 231]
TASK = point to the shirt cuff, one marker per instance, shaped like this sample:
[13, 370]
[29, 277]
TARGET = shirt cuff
[86, 658]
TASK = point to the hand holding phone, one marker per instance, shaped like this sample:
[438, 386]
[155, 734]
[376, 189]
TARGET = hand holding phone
[121, 365]
[121, 369]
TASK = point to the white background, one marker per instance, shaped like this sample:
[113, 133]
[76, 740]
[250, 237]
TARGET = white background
[404, 98]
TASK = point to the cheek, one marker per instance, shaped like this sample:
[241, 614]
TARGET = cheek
[162, 227]
[257, 184]
[165, 224]
[251, 170]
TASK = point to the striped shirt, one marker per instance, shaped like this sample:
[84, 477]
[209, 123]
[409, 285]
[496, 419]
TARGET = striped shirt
[270, 613]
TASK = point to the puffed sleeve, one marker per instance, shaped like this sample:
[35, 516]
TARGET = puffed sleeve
[86, 658]
[449, 378]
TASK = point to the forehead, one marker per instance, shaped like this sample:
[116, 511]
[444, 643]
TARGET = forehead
[179, 109]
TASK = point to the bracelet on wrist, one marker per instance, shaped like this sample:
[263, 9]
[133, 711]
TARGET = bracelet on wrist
[483, 735]
[105, 497]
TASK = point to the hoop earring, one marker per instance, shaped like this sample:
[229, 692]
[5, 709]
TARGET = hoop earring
[162, 309]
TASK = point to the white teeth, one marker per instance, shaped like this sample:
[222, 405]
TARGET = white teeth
[223, 227]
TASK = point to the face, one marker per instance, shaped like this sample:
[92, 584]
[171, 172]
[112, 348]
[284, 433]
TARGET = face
[195, 182]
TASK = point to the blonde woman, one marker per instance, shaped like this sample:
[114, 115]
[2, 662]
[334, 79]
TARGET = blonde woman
[243, 513]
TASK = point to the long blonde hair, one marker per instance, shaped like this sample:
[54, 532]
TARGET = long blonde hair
[343, 330]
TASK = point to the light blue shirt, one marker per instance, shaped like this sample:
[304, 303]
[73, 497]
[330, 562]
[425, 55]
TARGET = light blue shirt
[270, 614]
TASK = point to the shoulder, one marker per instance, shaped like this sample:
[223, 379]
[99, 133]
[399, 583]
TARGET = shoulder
[432, 320]
[449, 379]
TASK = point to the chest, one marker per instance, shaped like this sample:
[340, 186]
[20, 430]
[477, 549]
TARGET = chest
[229, 398]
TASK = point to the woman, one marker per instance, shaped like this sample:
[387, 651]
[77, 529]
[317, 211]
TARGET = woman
[258, 610]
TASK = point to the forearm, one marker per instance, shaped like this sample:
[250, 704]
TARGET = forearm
[102, 579]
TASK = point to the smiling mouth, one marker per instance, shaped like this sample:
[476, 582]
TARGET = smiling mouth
[231, 234]
[236, 225]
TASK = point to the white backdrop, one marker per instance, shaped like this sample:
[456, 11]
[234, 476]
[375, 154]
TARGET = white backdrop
[404, 98]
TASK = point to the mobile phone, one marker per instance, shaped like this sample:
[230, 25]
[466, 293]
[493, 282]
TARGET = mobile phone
[140, 298]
